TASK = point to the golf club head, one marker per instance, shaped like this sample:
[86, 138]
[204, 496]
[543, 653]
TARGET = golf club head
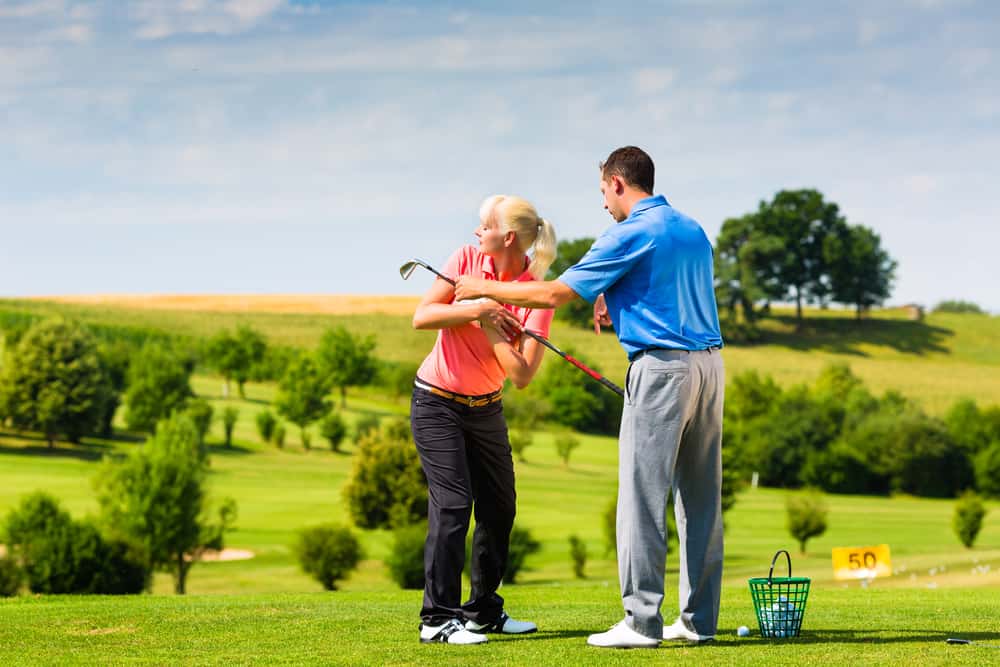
[407, 269]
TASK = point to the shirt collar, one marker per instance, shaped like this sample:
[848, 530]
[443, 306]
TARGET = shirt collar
[648, 202]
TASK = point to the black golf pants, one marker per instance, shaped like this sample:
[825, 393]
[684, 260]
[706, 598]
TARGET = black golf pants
[466, 457]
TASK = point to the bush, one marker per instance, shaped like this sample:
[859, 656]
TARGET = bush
[578, 552]
[306, 438]
[397, 377]
[333, 428]
[576, 400]
[968, 518]
[279, 436]
[201, 413]
[988, 470]
[522, 545]
[958, 306]
[366, 423]
[406, 559]
[159, 383]
[611, 518]
[520, 441]
[565, 444]
[230, 416]
[60, 555]
[265, 425]
[387, 486]
[328, 553]
[807, 514]
[11, 577]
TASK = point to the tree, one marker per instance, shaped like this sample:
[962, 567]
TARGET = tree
[740, 252]
[201, 413]
[861, 271]
[334, 430]
[54, 382]
[565, 444]
[230, 415]
[806, 517]
[159, 383]
[959, 306]
[302, 394]
[387, 487]
[235, 355]
[568, 252]
[575, 400]
[346, 360]
[328, 552]
[157, 498]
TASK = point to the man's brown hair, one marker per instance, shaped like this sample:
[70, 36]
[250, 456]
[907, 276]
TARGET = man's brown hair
[632, 165]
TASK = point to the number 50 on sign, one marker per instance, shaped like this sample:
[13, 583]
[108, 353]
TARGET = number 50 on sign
[862, 562]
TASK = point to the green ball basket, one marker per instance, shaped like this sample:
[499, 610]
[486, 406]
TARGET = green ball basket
[779, 602]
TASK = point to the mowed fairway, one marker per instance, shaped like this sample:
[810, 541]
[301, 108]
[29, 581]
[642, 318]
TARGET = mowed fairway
[265, 610]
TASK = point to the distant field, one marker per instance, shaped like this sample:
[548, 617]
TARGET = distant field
[935, 361]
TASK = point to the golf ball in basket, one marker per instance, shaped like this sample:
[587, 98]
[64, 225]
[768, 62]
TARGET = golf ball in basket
[743, 631]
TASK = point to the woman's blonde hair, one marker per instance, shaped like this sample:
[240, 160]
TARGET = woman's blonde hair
[519, 216]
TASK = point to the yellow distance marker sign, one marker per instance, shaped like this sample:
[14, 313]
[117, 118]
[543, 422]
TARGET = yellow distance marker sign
[862, 562]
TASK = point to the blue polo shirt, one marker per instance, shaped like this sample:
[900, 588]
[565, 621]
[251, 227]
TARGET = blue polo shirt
[655, 271]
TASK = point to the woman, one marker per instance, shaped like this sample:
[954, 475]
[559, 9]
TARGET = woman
[458, 423]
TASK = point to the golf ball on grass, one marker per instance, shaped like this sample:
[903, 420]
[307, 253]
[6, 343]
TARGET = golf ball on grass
[743, 631]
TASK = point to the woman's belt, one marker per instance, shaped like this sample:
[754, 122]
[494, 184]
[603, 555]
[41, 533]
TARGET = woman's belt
[471, 401]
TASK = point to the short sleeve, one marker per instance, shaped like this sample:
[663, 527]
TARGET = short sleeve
[539, 321]
[612, 255]
[459, 263]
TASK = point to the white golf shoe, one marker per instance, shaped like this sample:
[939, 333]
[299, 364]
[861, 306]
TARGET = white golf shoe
[680, 631]
[504, 625]
[449, 632]
[622, 636]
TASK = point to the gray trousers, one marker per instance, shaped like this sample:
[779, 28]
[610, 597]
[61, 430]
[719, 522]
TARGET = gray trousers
[671, 440]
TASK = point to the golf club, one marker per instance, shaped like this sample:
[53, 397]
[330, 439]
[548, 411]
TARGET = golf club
[407, 269]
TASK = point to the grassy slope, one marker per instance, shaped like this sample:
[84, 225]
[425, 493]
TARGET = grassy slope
[934, 361]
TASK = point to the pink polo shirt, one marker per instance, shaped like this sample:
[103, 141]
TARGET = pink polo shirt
[462, 360]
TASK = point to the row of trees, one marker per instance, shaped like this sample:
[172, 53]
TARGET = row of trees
[838, 436]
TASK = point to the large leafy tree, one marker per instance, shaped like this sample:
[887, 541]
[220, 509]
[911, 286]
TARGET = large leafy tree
[568, 253]
[861, 271]
[234, 355]
[157, 498]
[302, 393]
[54, 382]
[159, 382]
[346, 360]
[741, 252]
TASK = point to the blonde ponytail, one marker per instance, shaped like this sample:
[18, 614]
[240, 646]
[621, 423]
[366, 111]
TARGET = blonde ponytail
[519, 216]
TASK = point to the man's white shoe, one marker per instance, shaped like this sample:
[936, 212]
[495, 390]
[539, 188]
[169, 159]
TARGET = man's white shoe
[504, 625]
[450, 632]
[622, 636]
[681, 631]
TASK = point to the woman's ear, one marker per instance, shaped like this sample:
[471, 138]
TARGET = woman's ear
[508, 238]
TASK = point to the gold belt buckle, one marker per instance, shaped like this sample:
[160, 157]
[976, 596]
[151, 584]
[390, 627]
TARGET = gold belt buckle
[478, 402]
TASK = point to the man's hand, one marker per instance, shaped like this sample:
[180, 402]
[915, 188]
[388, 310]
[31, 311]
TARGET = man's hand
[467, 287]
[601, 317]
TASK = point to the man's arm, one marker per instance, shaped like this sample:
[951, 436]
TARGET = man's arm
[529, 294]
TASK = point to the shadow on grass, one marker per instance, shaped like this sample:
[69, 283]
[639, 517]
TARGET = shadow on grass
[232, 450]
[845, 335]
[908, 635]
[84, 452]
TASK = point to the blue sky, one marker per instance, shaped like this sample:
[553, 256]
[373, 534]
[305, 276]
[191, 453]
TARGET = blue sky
[267, 146]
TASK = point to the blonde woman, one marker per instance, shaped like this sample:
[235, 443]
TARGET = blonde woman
[458, 423]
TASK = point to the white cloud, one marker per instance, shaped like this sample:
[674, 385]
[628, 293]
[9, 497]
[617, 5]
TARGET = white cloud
[653, 80]
[158, 19]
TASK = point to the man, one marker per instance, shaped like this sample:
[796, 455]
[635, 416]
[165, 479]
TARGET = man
[651, 277]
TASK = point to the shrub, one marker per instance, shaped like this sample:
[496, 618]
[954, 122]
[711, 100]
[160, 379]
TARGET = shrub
[522, 545]
[577, 401]
[387, 486]
[230, 416]
[301, 397]
[265, 425]
[578, 552]
[333, 428]
[158, 384]
[366, 423]
[60, 555]
[398, 377]
[406, 559]
[11, 577]
[988, 470]
[306, 438]
[565, 444]
[279, 436]
[807, 514]
[328, 553]
[611, 518]
[201, 413]
[958, 306]
[519, 441]
[968, 518]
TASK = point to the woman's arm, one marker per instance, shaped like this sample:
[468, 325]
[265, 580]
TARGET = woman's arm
[436, 311]
[520, 360]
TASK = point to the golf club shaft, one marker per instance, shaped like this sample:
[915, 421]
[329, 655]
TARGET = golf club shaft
[541, 339]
